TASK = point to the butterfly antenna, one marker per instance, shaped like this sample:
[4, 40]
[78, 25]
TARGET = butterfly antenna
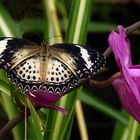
[55, 39]
[43, 43]
[56, 36]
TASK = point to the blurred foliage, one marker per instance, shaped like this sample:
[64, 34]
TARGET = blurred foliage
[27, 18]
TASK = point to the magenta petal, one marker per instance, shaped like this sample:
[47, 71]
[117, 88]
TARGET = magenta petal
[120, 46]
[127, 85]
[47, 96]
[40, 101]
[128, 100]
[134, 70]
[130, 82]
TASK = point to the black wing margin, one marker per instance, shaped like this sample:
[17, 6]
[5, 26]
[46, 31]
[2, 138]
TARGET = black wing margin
[14, 50]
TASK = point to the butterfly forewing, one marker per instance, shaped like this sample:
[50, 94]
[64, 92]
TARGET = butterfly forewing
[84, 62]
[13, 51]
[60, 69]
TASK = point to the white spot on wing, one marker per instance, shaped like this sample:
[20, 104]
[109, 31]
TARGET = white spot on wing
[57, 72]
[85, 56]
[29, 69]
[3, 44]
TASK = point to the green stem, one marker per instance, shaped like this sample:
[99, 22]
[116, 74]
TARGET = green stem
[132, 130]
[78, 21]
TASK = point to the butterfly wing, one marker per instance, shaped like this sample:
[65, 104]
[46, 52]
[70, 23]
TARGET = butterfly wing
[55, 72]
[13, 53]
[49, 75]
[14, 50]
[77, 65]
[46, 74]
[84, 63]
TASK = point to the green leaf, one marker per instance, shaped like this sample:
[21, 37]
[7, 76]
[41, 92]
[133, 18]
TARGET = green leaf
[36, 121]
[60, 125]
[78, 21]
[7, 25]
[4, 87]
[4, 83]
[8, 28]
[129, 132]
[133, 130]
[102, 107]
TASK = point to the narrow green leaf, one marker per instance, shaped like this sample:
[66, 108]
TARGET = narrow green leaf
[135, 131]
[129, 132]
[60, 125]
[7, 25]
[102, 107]
[4, 87]
[78, 21]
[119, 131]
[36, 121]
[8, 28]
[33, 25]
[4, 83]
[3, 76]
[57, 122]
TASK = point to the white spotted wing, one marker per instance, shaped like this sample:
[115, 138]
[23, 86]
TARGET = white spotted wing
[57, 69]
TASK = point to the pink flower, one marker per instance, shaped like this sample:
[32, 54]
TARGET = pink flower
[127, 84]
[40, 99]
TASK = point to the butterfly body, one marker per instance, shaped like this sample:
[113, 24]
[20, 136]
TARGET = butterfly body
[48, 71]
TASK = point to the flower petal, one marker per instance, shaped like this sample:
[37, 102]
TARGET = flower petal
[120, 46]
[127, 85]
[41, 101]
[129, 78]
[128, 100]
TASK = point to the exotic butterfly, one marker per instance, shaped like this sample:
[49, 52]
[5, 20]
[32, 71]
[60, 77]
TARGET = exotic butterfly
[47, 73]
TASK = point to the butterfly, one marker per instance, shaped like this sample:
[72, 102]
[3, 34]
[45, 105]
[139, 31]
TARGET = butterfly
[46, 73]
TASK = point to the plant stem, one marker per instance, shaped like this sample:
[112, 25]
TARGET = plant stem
[54, 32]
[81, 121]
[128, 30]
[132, 27]
[20, 116]
[11, 124]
